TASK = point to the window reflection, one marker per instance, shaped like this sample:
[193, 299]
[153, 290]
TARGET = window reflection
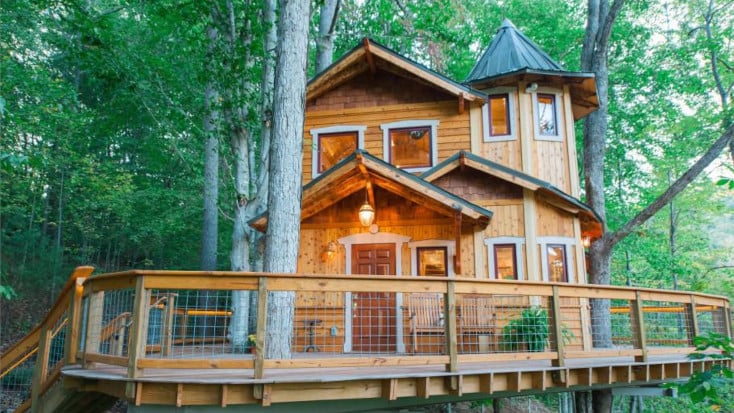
[504, 261]
[432, 261]
[557, 263]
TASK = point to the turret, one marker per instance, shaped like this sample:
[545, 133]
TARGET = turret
[531, 108]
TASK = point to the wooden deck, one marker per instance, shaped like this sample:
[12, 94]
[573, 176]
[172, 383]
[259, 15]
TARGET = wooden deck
[415, 383]
[122, 340]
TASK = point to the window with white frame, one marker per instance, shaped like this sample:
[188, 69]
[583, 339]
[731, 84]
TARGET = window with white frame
[499, 114]
[432, 257]
[411, 145]
[556, 257]
[548, 121]
[332, 144]
[504, 258]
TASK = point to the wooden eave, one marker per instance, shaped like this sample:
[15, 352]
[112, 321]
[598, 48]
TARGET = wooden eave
[369, 57]
[584, 99]
[591, 222]
[361, 171]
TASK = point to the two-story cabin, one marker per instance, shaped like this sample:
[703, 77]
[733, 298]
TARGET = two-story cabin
[409, 173]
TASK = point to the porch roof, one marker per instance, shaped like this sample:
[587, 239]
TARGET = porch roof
[362, 171]
[551, 194]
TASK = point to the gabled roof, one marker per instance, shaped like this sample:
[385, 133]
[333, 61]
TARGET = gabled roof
[371, 56]
[511, 55]
[361, 170]
[552, 195]
[509, 51]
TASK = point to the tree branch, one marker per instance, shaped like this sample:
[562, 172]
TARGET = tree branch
[606, 29]
[679, 185]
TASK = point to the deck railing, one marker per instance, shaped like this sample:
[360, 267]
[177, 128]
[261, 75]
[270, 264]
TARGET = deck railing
[184, 320]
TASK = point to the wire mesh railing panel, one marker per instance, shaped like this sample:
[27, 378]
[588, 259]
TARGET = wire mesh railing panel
[611, 324]
[190, 323]
[477, 324]
[114, 326]
[574, 312]
[666, 324]
[16, 382]
[57, 343]
[711, 319]
[373, 324]
[524, 322]
[319, 323]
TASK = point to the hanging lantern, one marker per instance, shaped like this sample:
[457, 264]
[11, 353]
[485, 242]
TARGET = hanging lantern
[366, 214]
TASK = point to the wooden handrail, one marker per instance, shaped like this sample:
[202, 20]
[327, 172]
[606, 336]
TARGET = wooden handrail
[31, 344]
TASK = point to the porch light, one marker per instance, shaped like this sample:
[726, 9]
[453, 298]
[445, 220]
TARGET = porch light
[366, 214]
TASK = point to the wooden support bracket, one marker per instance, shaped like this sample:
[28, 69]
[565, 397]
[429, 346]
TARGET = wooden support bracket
[390, 389]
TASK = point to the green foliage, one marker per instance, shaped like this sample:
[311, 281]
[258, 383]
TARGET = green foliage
[712, 388]
[529, 329]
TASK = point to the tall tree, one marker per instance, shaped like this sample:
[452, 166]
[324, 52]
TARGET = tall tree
[251, 162]
[210, 221]
[600, 20]
[284, 197]
[325, 38]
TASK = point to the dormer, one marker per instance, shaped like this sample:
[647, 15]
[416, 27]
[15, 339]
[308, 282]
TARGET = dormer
[532, 103]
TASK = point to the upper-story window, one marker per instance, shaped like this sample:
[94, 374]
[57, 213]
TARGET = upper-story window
[547, 116]
[505, 257]
[499, 114]
[332, 144]
[555, 258]
[411, 145]
[557, 263]
[505, 262]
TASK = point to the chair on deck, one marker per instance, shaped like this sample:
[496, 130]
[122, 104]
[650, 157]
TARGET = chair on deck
[477, 317]
[426, 316]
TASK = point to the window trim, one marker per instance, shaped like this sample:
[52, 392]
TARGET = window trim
[558, 98]
[315, 149]
[450, 253]
[433, 124]
[569, 245]
[491, 265]
[486, 126]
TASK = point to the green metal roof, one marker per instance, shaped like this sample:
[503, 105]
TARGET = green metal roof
[511, 51]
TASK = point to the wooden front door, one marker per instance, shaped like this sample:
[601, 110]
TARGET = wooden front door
[373, 313]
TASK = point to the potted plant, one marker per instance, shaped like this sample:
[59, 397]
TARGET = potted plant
[250, 344]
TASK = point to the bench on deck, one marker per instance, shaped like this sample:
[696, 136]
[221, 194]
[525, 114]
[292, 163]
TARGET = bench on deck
[426, 316]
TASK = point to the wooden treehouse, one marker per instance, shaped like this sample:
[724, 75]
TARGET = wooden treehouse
[441, 258]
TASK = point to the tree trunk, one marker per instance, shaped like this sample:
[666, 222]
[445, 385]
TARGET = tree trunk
[211, 167]
[251, 172]
[325, 38]
[284, 198]
[600, 19]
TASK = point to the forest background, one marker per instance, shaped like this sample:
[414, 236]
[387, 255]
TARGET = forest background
[106, 110]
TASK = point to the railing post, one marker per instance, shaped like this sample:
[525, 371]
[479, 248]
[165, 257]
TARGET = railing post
[71, 344]
[262, 325]
[40, 370]
[450, 324]
[637, 319]
[692, 317]
[557, 328]
[138, 333]
[167, 328]
[94, 325]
